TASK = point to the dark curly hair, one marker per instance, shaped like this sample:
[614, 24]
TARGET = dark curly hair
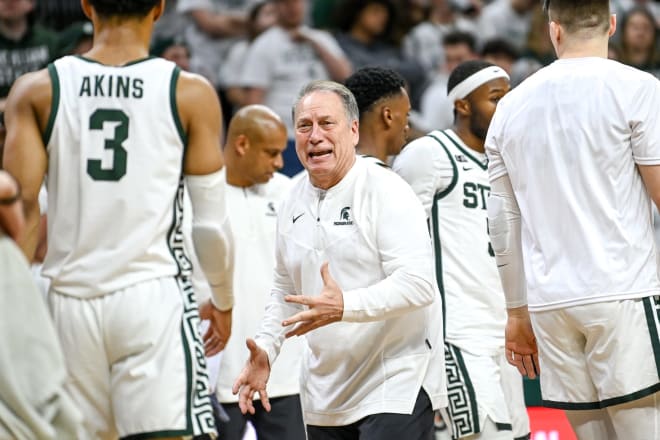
[372, 84]
[123, 8]
[464, 70]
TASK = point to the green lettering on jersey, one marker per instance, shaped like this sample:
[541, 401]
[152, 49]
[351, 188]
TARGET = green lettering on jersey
[98, 85]
[470, 193]
[86, 87]
[474, 193]
[123, 86]
[118, 169]
[137, 88]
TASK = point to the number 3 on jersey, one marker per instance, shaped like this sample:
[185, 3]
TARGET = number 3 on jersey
[118, 169]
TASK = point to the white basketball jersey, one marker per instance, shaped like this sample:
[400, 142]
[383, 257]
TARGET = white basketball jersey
[452, 183]
[115, 150]
[570, 138]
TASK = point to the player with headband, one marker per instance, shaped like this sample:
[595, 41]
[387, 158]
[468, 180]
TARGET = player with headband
[448, 171]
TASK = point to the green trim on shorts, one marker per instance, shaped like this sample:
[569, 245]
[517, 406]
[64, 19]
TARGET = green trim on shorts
[527, 436]
[653, 328]
[157, 434]
[54, 102]
[603, 403]
[504, 426]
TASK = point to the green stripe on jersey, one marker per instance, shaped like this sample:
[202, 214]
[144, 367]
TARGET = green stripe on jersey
[174, 108]
[54, 102]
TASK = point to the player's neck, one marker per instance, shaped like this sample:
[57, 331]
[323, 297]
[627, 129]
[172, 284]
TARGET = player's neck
[469, 139]
[583, 48]
[370, 145]
[117, 43]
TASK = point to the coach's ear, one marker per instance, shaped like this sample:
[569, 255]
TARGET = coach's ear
[462, 107]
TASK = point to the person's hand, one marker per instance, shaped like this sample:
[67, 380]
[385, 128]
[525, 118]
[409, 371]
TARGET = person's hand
[324, 309]
[217, 335]
[253, 379]
[520, 346]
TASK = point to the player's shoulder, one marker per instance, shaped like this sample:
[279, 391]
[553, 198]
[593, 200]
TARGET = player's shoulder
[33, 88]
[427, 147]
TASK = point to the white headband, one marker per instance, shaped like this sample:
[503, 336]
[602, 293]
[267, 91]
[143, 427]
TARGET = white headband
[465, 87]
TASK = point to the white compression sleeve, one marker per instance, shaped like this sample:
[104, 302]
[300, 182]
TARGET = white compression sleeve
[212, 237]
[504, 228]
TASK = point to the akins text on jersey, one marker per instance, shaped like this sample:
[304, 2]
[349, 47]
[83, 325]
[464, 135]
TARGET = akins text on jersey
[118, 86]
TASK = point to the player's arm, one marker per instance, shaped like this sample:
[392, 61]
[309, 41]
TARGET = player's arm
[219, 25]
[201, 118]
[651, 178]
[25, 157]
[12, 222]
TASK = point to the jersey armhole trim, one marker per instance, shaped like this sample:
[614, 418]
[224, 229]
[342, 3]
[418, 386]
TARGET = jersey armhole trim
[466, 152]
[174, 108]
[454, 178]
[54, 103]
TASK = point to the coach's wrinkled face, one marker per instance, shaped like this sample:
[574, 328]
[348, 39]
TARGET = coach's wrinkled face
[325, 138]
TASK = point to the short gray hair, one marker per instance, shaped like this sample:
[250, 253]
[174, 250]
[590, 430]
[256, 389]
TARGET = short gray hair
[345, 95]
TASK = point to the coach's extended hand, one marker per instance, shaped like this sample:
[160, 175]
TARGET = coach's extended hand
[219, 331]
[324, 309]
[253, 379]
[520, 345]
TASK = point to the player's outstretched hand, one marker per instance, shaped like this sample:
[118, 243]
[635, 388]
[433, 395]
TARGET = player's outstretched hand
[520, 346]
[219, 331]
[324, 309]
[253, 379]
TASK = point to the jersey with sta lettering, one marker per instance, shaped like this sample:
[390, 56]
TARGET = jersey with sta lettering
[451, 181]
[115, 150]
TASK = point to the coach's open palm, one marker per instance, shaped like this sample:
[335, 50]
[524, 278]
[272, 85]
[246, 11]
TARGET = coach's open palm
[253, 379]
[520, 346]
[324, 309]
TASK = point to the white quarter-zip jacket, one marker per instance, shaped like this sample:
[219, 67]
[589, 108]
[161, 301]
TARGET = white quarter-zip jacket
[371, 229]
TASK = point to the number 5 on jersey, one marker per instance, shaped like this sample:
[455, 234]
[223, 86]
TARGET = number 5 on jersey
[118, 168]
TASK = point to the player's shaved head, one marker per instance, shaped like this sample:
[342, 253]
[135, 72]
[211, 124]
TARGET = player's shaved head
[255, 122]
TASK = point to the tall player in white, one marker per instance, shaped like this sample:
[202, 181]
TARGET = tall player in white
[110, 130]
[574, 155]
[448, 172]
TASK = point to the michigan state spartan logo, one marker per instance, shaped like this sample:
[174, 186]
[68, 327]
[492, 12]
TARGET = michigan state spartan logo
[344, 217]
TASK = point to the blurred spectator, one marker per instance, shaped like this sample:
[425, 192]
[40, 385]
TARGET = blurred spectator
[621, 7]
[77, 38]
[365, 28]
[261, 17]
[59, 14]
[25, 46]
[437, 113]
[538, 45]
[172, 49]
[500, 52]
[639, 41]
[508, 19]
[172, 24]
[424, 41]
[284, 57]
[409, 13]
[214, 27]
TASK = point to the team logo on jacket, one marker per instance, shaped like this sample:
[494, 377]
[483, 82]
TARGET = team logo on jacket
[271, 210]
[460, 158]
[344, 217]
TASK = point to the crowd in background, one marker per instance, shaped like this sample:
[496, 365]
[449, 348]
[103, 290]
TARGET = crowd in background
[238, 44]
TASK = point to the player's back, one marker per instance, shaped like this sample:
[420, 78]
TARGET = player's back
[115, 149]
[570, 137]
